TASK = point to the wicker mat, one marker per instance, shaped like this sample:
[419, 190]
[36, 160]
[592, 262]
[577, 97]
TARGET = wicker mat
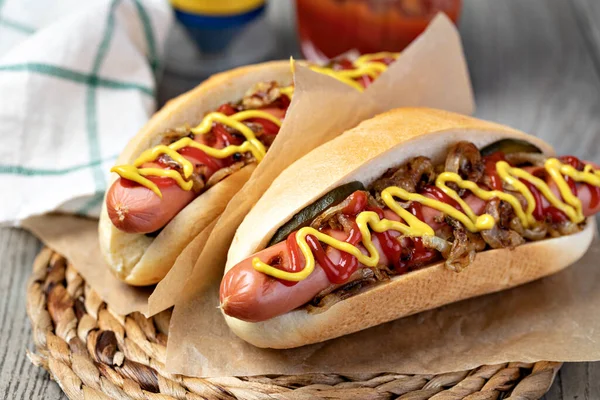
[95, 354]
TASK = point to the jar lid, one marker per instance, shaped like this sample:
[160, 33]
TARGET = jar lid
[214, 7]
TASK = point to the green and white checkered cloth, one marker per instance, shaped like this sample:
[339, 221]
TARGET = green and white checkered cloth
[77, 81]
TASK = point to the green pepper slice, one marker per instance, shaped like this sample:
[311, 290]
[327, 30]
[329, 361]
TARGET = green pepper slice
[508, 146]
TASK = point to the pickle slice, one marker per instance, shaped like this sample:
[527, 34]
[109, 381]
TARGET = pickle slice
[305, 216]
[508, 146]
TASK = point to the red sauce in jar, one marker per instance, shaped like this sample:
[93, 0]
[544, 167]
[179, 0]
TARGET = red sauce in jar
[328, 28]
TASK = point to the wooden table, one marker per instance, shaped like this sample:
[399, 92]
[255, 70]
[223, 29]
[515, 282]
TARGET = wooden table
[535, 65]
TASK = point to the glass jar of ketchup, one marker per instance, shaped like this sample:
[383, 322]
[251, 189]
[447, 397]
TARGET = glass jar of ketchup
[328, 28]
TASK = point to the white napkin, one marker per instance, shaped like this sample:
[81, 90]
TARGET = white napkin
[77, 81]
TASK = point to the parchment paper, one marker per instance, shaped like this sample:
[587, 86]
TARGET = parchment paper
[553, 319]
[77, 239]
[430, 72]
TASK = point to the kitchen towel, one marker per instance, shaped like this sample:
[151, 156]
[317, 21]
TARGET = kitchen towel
[77, 81]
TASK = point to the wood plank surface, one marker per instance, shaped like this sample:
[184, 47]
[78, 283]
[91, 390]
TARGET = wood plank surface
[19, 378]
[533, 69]
[535, 65]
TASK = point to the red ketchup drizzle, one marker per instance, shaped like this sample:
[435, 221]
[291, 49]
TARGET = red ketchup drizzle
[284, 102]
[554, 214]
[573, 162]
[358, 203]
[594, 195]
[210, 162]
[540, 213]
[491, 171]
[363, 80]
[226, 109]
[201, 156]
[419, 254]
[439, 195]
[223, 137]
[412, 257]
[269, 127]
[159, 181]
[296, 261]
[384, 60]
[391, 246]
[366, 80]
[579, 166]
[345, 64]
[342, 64]
[348, 263]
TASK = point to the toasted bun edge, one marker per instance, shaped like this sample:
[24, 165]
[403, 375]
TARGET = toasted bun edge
[141, 260]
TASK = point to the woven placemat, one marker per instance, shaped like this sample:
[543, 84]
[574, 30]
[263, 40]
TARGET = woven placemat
[93, 353]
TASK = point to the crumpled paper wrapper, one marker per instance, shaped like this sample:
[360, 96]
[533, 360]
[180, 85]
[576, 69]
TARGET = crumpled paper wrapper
[77, 239]
[432, 72]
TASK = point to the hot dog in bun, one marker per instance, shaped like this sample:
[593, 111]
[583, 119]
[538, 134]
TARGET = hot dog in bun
[179, 172]
[410, 210]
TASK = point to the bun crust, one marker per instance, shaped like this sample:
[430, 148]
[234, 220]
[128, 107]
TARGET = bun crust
[364, 153]
[141, 260]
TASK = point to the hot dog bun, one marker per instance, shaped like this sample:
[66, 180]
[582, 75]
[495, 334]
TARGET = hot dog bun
[140, 260]
[364, 153]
